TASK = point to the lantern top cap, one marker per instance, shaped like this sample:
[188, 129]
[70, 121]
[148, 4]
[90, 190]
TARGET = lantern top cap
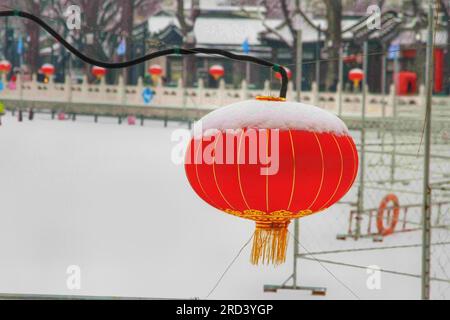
[266, 114]
[269, 98]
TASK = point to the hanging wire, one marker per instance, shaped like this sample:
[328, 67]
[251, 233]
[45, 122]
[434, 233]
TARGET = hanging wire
[275, 67]
[430, 82]
[371, 53]
[324, 267]
[228, 267]
[156, 54]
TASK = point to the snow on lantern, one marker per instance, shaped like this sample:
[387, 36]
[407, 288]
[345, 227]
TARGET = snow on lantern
[216, 71]
[98, 72]
[156, 72]
[271, 161]
[356, 75]
[5, 66]
[288, 72]
[48, 70]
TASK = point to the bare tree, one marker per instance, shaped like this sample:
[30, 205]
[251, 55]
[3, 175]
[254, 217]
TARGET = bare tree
[187, 24]
[333, 32]
[32, 54]
[333, 40]
[104, 22]
[128, 10]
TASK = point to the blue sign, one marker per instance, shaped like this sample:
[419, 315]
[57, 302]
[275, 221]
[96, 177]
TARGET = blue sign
[20, 46]
[246, 46]
[122, 49]
[394, 51]
[2, 86]
[147, 95]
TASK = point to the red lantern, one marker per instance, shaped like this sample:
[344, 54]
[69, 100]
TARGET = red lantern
[98, 72]
[313, 163]
[288, 72]
[217, 71]
[155, 70]
[356, 75]
[48, 69]
[5, 66]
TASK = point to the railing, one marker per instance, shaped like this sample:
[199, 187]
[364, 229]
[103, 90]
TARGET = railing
[202, 98]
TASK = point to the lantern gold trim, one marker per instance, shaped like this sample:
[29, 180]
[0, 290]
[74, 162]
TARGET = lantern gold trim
[270, 237]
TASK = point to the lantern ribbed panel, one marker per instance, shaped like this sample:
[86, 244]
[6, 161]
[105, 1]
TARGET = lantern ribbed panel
[315, 170]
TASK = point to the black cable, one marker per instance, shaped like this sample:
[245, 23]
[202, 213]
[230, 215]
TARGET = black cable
[153, 55]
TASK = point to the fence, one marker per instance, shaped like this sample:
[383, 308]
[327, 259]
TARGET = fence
[201, 98]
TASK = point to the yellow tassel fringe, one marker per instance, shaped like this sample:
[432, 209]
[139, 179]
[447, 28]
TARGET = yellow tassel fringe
[270, 243]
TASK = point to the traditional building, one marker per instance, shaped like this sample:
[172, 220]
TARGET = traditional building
[241, 29]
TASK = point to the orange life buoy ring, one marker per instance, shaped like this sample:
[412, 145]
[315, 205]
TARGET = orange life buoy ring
[380, 225]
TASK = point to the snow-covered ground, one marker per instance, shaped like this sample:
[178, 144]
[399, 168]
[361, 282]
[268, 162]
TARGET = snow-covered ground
[109, 199]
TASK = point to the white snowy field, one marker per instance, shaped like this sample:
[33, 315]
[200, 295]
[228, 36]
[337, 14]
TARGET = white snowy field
[108, 199]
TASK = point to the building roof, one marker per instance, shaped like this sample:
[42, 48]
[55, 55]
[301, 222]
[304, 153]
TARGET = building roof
[410, 37]
[234, 31]
[309, 34]
[217, 31]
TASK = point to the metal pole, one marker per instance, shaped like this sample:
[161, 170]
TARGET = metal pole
[247, 72]
[396, 71]
[362, 148]
[382, 132]
[341, 79]
[299, 59]
[298, 85]
[426, 208]
[296, 252]
[383, 80]
[393, 153]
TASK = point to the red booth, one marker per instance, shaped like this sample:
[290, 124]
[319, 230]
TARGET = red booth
[438, 70]
[406, 83]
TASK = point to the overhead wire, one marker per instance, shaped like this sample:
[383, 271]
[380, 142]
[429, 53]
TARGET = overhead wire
[153, 55]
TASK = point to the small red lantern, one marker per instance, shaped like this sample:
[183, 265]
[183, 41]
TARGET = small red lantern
[48, 69]
[216, 71]
[98, 72]
[155, 69]
[271, 161]
[288, 72]
[356, 75]
[156, 72]
[5, 66]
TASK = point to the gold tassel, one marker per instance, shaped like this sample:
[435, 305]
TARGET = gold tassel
[270, 243]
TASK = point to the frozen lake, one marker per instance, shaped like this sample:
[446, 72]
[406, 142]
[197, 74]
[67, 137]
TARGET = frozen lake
[108, 199]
